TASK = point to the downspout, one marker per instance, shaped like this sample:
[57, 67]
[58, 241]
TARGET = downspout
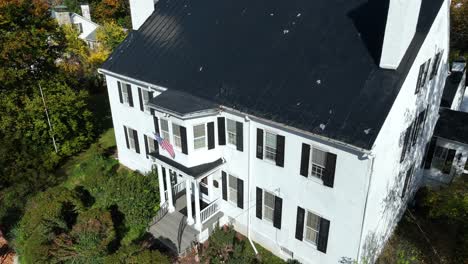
[365, 205]
[249, 172]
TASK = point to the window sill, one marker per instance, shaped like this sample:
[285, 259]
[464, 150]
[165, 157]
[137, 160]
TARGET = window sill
[310, 244]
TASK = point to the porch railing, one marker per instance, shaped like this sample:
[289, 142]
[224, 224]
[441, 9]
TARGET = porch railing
[161, 213]
[179, 188]
[209, 211]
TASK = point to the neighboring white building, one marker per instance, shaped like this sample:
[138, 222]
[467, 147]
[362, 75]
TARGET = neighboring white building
[82, 24]
[282, 120]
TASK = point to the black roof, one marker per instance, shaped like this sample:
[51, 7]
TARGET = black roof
[195, 171]
[452, 125]
[451, 87]
[308, 64]
[181, 103]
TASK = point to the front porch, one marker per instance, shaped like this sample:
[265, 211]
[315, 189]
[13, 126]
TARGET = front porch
[189, 207]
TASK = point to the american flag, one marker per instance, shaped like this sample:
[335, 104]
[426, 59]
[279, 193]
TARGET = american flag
[165, 144]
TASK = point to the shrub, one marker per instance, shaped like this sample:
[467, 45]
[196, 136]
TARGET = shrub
[134, 254]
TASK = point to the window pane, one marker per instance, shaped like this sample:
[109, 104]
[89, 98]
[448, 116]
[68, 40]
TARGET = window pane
[199, 131]
[268, 213]
[176, 130]
[232, 182]
[319, 157]
[269, 200]
[312, 220]
[199, 143]
[270, 140]
[151, 146]
[164, 125]
[231, 131]
[311, 236]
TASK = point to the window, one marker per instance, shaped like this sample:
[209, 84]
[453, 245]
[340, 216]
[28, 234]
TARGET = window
[312, 227]
[78, 27]
[151, 144]
[231, 132]
[146, 98]
[319, 159]
[125, 88]
[199, 136]
[165, 129]
[270, 146]
[422, 77]
[268, 205]
[131, 138]
[232, 196]
[177, 138]
[435, 65]
[441, 159]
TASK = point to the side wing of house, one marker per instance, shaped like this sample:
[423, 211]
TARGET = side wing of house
[406, 134]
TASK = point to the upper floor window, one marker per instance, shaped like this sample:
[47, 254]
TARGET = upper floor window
[125, 93]
[131, 139]
[422, 77]
[165, 129]
[312, 228]
[151, 144]
[78, 27]
[199, 136]
[270, 146]
[231, 132]
[145, 96]
[177, 137]
[319, 159]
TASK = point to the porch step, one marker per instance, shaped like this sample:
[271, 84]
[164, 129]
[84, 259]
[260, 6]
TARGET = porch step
[173, 231]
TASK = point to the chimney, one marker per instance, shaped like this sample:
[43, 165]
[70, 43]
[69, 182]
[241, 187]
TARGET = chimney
[140, 11]
[402, 21]
[85, 11]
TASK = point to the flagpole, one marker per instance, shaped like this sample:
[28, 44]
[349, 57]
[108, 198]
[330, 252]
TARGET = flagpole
[48, 119]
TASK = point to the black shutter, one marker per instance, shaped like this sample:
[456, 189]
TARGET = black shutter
[137, 144]
[259, 203]
[405, 143]
[155, 121]
[221, 131]
[449, 161]
[277, 212]
[418, 84]
[259, 143]
[211, 140]
[329, 173]
[126, 137]
[408, 176]
[140, 98]
[120, 92]
[156, 146]
[240, 193]
[240, 136]
[224, 184]
[430, 154]
[146, 145]
[300, 223]
[130, 96]
[280, 150]
[323, 235]
[183, 139]
[305, 158]
[164, 178]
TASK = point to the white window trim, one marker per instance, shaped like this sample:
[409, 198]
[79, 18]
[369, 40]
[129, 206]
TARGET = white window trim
[174, 136]
[227, 133]
[263, 206]
[205, 136]
[229, 190]
[125, 97]
[169, 124]
[130, 138]
[146, 107]
[149, 141]
[311, 163]
[264, 146]
[304, 238]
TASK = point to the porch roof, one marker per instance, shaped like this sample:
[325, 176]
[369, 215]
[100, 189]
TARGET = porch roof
[452, 125]
[195, 171]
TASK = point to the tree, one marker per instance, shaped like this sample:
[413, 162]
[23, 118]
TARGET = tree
[135, 254]
[110, 35]
[112, 10]
[459, 29]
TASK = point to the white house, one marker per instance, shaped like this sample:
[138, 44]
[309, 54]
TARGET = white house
[83, 24]
[302, 123]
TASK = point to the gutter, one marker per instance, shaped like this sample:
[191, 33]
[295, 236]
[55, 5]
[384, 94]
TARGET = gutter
[372, 157]
[249, 173]
[129, 79]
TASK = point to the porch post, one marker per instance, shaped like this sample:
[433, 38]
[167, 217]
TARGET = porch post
[196, 190]
[170, 207]
[188, 186]
[161, 185]
[210, 187]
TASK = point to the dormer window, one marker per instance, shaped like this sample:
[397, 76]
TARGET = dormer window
[177, 137]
